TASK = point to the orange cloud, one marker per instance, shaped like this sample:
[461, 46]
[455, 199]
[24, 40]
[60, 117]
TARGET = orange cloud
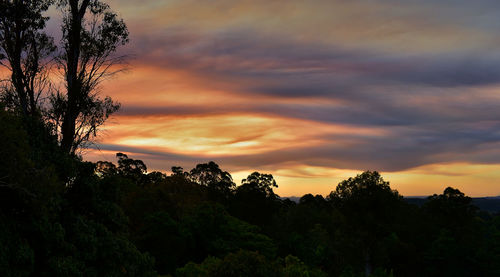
[224, 134]
[303, 91]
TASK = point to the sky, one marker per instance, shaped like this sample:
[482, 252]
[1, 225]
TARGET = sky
[313, 92]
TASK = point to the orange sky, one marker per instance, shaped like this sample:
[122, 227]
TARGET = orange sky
[313, 92]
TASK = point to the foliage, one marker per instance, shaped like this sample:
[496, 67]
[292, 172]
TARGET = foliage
[86, 56]
[248, 263]
[57, 223]
[220, 183]
[60, 216]
[25, 50]
[241, 263]
[92, 32]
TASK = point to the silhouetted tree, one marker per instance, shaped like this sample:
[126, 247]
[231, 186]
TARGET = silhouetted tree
[370, 208]
[133, 169]
[259, 183]
[255, 200]
[92, 33]
[129, 166]
[25, 51]
[156, 177]
[53, 226]
[455, 235]
[219, 182]
[177, 170]
[452, 207]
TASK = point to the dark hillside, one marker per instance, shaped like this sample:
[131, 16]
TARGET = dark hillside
[487, 204]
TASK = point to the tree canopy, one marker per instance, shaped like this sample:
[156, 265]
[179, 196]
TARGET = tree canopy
[85, 56]
[62, 216]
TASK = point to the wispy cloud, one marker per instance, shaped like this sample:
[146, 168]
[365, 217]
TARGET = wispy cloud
[331, 85]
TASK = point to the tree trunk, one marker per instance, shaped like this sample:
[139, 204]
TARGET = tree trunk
[73, 83]
[17, 80]
[17, 71]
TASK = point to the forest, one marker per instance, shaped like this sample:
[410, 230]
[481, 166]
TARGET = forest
[63, 216]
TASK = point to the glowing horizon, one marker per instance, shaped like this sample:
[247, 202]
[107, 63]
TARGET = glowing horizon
[313, 92]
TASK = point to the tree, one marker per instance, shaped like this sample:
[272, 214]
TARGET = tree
[242, 263]
[452, 207]
[104, 168]
[135, 169]
[294, 267]
[52, 227]
[456, 235]
[263, 183]
[91, 35]
[247, 263]
[371, 209]
[25, 50]
[177, 170]
[211, 176]
[255, 200]
[362, 185]
[92, 32]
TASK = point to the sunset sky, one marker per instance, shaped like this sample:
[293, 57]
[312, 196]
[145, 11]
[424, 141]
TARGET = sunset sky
[313, 91]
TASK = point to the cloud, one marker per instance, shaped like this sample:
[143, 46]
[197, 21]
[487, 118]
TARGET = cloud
[309, 67]
[269, 142]
[407, 84]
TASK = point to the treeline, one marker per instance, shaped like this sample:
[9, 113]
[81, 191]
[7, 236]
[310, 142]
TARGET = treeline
[60, 216]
